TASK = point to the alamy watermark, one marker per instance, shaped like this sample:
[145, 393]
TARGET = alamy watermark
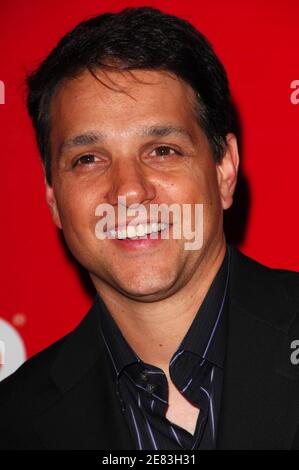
[174, 221]
[294, 357]
[2, 353]
[2, 92]
[294, 97]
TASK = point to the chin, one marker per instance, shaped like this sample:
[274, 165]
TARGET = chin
[147, 290]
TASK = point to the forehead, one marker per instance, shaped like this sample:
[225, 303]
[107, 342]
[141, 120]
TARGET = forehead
[136, 91]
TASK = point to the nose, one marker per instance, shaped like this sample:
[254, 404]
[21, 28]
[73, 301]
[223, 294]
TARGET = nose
[128, 179]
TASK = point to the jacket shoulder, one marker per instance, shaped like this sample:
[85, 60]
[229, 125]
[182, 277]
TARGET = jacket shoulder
[287, 278]
[31, 375]
[290, 280]
[270, 294]
[22, 396]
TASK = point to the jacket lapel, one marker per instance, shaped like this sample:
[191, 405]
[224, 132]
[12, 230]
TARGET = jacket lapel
[80, 409]
[259, 407]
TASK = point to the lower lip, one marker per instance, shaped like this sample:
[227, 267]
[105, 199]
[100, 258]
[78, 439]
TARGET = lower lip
[137, 243]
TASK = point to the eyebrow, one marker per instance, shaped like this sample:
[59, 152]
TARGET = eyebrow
[91, 138]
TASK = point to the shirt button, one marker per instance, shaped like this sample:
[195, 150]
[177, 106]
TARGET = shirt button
[150, 388]
[143, 376]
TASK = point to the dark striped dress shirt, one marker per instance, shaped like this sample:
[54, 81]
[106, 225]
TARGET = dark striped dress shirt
[196, 369]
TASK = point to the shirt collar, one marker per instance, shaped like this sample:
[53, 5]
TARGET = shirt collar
[206, 335]
[119, 350]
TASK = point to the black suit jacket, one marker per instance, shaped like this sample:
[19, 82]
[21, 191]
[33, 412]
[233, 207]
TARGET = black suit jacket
[64, 397]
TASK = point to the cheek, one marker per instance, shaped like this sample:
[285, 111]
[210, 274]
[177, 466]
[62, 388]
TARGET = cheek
[174, 186]
[203, 184]
[197, 187]
[186, 188]
[77, 208]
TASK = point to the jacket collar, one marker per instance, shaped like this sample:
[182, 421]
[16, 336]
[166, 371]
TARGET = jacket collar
[81, 409]
[81, 349]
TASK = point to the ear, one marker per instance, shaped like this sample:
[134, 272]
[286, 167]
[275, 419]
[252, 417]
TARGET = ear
[227, 171]
[52, 204]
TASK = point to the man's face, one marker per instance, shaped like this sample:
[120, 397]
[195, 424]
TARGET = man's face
[132, 157]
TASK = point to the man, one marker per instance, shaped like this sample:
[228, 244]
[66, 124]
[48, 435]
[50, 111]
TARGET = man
[183, 348]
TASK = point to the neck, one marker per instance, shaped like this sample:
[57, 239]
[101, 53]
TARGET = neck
[154, 330]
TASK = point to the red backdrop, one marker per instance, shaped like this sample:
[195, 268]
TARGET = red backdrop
[41, 293]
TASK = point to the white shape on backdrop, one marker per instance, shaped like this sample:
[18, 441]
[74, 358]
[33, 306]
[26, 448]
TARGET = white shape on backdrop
[12, 349]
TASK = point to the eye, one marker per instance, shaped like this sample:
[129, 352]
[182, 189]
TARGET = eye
[165, 151]
[85, 160]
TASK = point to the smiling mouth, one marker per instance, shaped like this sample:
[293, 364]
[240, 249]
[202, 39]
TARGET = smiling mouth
[137, 231]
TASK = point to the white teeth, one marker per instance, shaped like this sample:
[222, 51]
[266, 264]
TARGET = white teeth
[148, 229]
[137, 231]
[140, 230]
[131, 232]
[122, 233]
